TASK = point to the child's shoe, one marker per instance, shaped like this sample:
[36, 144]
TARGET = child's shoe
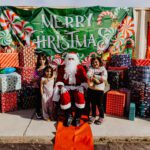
[99, 121]
[38, 116]
[91, 120]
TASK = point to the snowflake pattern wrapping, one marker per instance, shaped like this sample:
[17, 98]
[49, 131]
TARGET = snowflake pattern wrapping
[10, 82]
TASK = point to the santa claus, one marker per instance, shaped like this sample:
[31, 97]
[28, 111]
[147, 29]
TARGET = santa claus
[69, 89]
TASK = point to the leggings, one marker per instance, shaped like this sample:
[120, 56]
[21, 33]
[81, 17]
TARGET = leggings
[96, 98]
[38, 103]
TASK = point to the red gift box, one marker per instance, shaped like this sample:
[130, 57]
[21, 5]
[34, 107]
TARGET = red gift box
[26, 74]
[141, 62]
[9, 60]
[8, 101]
[115, 103]
[26, 57]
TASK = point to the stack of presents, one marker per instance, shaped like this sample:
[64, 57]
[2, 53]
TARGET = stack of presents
[129, 81]
[15, 87]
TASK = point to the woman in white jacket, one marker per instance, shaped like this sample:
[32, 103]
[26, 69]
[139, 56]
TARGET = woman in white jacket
[97, 78]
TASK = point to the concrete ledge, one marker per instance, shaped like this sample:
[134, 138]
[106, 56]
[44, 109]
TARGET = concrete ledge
[46, 143]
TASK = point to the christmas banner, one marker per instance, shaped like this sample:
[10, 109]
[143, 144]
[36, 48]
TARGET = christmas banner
[87, 31]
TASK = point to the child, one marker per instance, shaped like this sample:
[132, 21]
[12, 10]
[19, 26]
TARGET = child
[41, 64]
[97, 77]
[47, 85]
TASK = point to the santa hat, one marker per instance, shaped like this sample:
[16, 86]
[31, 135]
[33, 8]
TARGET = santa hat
[72, 55]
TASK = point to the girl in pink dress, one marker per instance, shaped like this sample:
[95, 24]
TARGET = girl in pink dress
[47, 84]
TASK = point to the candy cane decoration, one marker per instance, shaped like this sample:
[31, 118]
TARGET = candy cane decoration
[58, 61]
[104, 13]
[7, 20]
[131, 40]
[86, 61]
[127, 27]
[24, 30]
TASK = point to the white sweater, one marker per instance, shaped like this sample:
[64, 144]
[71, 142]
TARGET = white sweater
[100, 73]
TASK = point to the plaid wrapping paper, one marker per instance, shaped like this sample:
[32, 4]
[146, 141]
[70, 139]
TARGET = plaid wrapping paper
[9, 60]
[10, 82]
[137, 91]
[139, 73]
[26, 97]
[8, 101]
[133, 73]
[26, 57]
[141, 62]
[120, 60]
[147, 92]
[26, 74]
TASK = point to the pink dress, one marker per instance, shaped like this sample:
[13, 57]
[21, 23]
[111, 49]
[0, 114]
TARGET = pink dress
[47, 103]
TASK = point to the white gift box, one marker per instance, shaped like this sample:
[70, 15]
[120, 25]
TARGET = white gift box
[10, 82]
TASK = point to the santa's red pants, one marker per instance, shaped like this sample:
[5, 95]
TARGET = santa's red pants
[66, 98]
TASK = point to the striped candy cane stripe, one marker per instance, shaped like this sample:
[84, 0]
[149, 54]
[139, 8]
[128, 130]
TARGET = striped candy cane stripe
[104, 13]
[9, 60]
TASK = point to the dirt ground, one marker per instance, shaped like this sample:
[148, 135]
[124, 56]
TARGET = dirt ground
[105, 143]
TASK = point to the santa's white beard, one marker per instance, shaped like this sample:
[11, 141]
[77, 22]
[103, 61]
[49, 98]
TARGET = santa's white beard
[70, 71]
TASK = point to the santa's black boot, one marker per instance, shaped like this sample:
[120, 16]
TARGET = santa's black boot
[68, 118]
[77, 117]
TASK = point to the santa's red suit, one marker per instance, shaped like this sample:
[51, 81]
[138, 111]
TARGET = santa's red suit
[70, 82]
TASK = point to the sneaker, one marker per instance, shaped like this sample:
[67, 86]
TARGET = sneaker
[38, 116]
[99, 121]
[91, 120]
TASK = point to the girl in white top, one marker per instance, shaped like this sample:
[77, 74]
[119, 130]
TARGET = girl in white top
[47, 85]
[97, 78]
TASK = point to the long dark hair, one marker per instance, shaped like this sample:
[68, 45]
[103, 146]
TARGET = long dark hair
[48, 67]
[99, 59]
[38, 60]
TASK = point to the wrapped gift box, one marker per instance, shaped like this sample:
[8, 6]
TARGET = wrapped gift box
[143, 109]
[141, 62]
[137, 91]
[132, 112]
[8, 101]
[123, 72]
[147, 92]
[26, 97]
[26, 74]
[10, 82]
[26, 57]
[128, 99]
[115, 103]
[9, 60]
[120, 60]
[139, 73]
[116, 79]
